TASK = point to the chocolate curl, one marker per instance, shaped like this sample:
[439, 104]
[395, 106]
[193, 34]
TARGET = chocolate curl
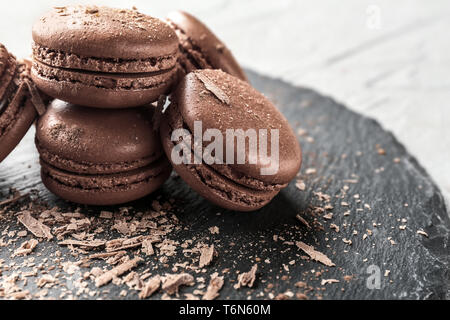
[36, 98]
[215, 90]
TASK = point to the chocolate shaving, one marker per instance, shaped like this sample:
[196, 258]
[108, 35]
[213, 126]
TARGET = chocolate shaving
[206, 257]
[329, 281]
[247, 279]
[214, 89]
[315, 255]
[147, 247]
[86, 244]
[34, 226]
[13, 200]
[173, 282]
[328, 216]
[302, 220]
[91, 10]
[300, 185]
[106, 277]
[71, 267]
[214, 230]
[215, 285]
[301, 284]
[106, 255]
[26, 248]
[335, 227]
[422, 233]
[20, 295]
[125, 244]
[150, 287]
[36, 98]
[106, 215]
[45, 280]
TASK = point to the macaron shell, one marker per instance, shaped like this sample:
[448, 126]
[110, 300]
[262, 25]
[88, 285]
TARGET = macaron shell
[115, 189]
[247, 109]
[102, 90]
[103, 32]
[213, 186]
[116, 140]
[203, 44]
[18, 127]
[17, 113]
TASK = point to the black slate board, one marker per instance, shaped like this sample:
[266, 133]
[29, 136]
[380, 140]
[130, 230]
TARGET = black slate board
[342, 146]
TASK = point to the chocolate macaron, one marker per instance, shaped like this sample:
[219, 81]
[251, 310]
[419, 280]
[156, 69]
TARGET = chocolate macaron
[103, 57]
[229, 142]
[17, 111]
[200, 48]
[100, 157]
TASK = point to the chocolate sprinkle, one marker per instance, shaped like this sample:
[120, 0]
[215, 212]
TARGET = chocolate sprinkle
[214, 89]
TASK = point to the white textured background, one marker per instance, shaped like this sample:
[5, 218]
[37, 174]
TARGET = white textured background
[386, 59]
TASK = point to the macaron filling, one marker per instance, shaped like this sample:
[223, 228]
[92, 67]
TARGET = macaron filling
[228, 189]
[106, 182]
[89, 168]
[60, 59]
[109, 81]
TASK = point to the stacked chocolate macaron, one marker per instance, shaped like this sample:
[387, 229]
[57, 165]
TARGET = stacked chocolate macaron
[214, 100]
[104, 67]
[103, 141]
[99, 156]
[103, 57]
